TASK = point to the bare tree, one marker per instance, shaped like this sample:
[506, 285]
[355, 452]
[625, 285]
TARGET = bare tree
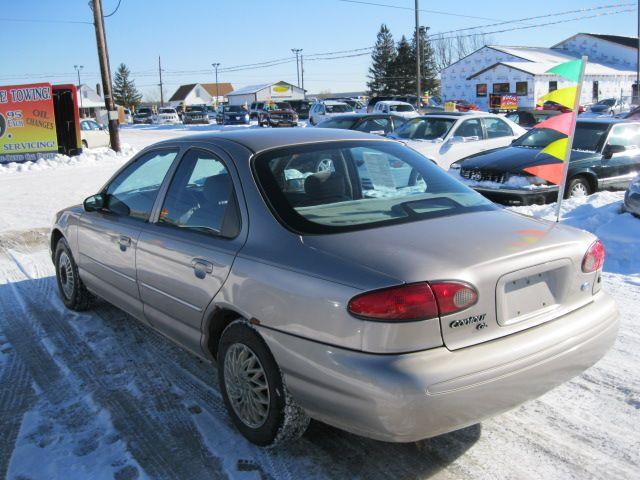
[450, 49]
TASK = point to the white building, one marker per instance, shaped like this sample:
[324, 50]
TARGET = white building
[610, 72]
[200, 94]
[277, 91]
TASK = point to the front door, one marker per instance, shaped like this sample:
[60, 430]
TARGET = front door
[185, 255]
[617, 171]
[498, 132]
[466, 139]
[107, 239]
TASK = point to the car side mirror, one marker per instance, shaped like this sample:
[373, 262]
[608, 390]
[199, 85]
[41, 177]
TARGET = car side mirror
[95, 202]
[610, 150]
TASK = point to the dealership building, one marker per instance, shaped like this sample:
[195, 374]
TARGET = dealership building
[610, 71]
[276, 91]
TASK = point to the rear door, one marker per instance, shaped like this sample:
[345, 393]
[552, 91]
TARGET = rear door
[186, 253]
[498, 133]
[107, 239]
[466, 139]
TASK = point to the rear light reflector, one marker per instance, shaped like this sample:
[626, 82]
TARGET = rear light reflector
[416, 301]
[594, 258]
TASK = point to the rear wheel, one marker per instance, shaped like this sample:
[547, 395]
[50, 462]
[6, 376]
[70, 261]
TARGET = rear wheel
[253, 389]
[578, 187]
[74, 294]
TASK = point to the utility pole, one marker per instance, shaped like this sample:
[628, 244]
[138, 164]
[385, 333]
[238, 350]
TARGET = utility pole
[302, 76]
[105, 72]
[638, 61]
[418, 53]
[297, 51]
[215, 66]
[78, 68]
[160, 73]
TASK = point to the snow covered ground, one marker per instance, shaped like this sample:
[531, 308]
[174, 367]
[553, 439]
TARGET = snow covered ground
[98, 395]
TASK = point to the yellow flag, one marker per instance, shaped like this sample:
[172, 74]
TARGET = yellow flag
[563, 96]
[557, 149]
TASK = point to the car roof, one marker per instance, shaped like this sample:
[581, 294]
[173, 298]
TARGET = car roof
[459, 114]
[333, 102]
[392, 102]
[258, 140]
[606, 120]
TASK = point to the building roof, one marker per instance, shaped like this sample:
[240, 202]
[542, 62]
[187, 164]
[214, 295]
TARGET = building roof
[631, 42]
[90, 98]
[182, 92]
[535, 54]
[223, 88]
[539, 68]
[252, 88]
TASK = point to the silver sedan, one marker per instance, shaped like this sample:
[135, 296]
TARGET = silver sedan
[339, 276]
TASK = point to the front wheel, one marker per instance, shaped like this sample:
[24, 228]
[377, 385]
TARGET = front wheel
[578, 187]
[253, 389]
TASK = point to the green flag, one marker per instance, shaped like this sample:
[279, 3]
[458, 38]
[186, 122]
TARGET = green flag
[569, 70]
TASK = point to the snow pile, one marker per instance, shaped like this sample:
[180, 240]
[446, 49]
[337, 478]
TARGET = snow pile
[86, 158]
[600, 214]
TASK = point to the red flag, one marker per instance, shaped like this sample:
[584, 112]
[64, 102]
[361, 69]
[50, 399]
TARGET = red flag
[552, 172]
[560, 123]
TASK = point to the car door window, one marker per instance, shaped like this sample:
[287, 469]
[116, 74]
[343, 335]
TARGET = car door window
[470, 130]
[200, 196]
[378, 125]
[497, 128]
[627, 136]
[85, 126]
[133, 192]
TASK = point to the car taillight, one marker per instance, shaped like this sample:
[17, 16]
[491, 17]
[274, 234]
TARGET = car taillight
[416, 301]
[594, 258]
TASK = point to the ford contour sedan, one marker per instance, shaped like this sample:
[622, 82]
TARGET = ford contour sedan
[339, 276]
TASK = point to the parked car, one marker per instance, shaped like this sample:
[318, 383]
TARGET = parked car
[232, 114]
[301, 107]
[195, 114]
[128, 118]
[607, 107]
[464, 106]
[254, 109]
[445, 138]
[143, 115]
[325, 109]
[632, 197]
[212, 112]
[167, 115]
[605, 155]
[393, 311]
[93, 134]
[277, 114]
[432, 105]
[357, 105]
[412, 99]
[401, 109]
[376, 123]
[528, 119]
[633, 114]
[551, 105]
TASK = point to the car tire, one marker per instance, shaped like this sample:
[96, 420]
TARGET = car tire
[84, 144]
[273, 418]
[578, 187]
[73, 292]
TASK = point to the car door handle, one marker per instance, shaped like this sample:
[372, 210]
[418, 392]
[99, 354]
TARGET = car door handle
[124, 242]
[201, 267]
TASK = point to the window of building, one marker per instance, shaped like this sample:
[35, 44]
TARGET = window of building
[553, 85]
[522, 89]
[500, 88]
[481, 90]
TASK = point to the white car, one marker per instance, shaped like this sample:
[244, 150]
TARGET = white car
[393, 107]
[326, 109]
[93, 135]
[167, 115]
[445, 138]
[128, 117]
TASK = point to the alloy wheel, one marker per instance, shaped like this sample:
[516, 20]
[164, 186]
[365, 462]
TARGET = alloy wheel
[579, 190]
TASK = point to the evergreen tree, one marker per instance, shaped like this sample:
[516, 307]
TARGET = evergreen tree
[125, 92]
[382, 59]
[403, 69]
[428, 69]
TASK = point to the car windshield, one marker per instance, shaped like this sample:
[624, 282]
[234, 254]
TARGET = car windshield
[338, 108]
[401, 108]
[588, 137]
[428, 128]
[608, 102]
[278, 106]
[341, 186]
[337, 122]
[143, 111]
[234, 109]
[167, 110]
[195, 108]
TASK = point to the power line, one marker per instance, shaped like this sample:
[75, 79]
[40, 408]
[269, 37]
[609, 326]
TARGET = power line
[438, 12]
[40, 20]
[116, 9]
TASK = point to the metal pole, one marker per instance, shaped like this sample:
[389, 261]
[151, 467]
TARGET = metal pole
[105, 71]
[160, 73]
[297, 53]
[78, 68]
[567, 153]
[418, 76]
[302, 76]
[215, 66]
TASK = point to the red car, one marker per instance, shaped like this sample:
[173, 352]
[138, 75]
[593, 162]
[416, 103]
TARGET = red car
[464, 106]
[550, 105]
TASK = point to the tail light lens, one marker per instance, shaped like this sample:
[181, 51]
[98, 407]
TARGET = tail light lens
[416, 301]
[594, 258]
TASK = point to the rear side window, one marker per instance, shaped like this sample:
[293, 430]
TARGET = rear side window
[375, 125]
[342, 186]
[470, 130]
[133, 192]
[497, 128]
[627, 136]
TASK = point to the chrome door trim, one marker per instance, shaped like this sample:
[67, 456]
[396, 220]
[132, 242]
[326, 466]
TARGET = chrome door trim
[107, 267]
[175, 299]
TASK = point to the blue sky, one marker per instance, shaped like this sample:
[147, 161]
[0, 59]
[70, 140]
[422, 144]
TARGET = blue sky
[191, 34]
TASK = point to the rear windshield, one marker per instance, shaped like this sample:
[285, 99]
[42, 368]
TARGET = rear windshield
[337, 122]
[425, 128]
[340, 108]
[401, 108]
[167, 110]
[342, 186]
[234, 108]
[588, 137]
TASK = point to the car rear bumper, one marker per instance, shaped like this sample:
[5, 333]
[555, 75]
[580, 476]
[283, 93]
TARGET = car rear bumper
[408, 397]
[515, 196]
